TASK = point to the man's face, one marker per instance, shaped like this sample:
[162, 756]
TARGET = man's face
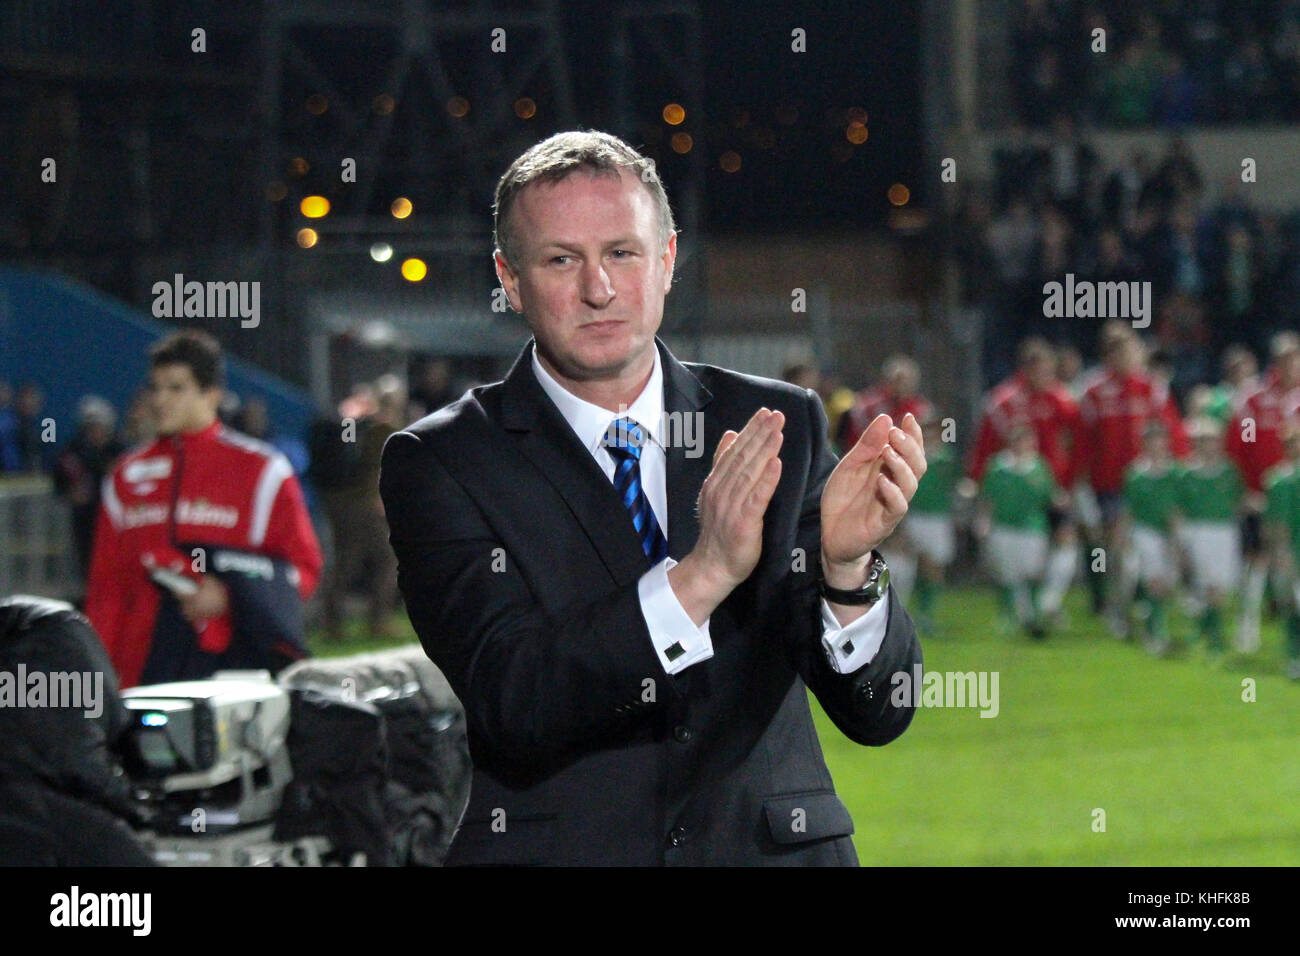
[1041, 370]
[1288, 368]
[1157, 444]
[1024, 443]
[177, 402]
[1069, 365]
[591, 276]
[903, 382]
[98, 434]
[1128, 357]
[30, 401]
[1241, 369]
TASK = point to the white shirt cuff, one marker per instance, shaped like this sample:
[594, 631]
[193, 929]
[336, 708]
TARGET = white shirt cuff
[678, 642]
[856, 644]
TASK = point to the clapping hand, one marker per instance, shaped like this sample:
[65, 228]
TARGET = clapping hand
[867, 495]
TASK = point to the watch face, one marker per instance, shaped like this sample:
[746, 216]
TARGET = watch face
[872, 591]
[882, 582]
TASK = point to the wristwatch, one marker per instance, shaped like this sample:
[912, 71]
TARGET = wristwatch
[869, 593]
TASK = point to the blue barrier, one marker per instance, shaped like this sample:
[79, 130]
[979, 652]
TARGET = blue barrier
[72, 340]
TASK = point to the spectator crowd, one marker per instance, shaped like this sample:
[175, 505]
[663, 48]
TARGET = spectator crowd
[1166, 63]
[1220, 272]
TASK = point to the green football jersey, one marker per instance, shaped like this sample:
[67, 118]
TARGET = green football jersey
[1282, 484]
[1019, 494]
[1151, 493]
[1220, 404]
[934, 490]
[1210, 492]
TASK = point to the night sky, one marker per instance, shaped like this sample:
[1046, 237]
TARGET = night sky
[798, 171]
[783, 114]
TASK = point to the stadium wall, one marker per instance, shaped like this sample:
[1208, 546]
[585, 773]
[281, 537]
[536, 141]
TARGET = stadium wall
[48, 324]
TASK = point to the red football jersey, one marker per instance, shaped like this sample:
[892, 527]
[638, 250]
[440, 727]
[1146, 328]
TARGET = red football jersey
[878, 401]
[1113, 413]
[211, 488]
[1268, 406]
[1053, 414]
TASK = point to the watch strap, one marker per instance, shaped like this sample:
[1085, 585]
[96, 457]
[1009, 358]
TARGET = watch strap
[871, 592]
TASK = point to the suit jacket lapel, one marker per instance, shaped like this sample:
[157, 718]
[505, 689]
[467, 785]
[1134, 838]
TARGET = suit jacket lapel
[684, 397]
[550, 444]
[557, 453]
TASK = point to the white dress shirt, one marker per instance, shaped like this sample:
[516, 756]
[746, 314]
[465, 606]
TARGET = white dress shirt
[847, 648]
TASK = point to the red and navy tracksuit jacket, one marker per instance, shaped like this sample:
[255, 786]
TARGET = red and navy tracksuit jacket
[1051, 412]
[1113, 415]
[213, 501]
[1255, 450]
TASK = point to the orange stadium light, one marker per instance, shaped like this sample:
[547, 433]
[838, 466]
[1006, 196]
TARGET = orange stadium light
[314, 207]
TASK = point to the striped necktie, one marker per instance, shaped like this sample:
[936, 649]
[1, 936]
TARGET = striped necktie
[624, 439]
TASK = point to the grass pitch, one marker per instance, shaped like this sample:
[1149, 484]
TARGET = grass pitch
[1186, 772]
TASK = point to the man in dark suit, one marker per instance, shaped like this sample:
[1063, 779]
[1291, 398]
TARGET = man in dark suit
[631, 624]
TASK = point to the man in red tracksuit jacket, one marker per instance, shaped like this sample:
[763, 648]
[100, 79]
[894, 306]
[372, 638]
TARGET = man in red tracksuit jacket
[204, 549]
[896, 396]
[1254, 442]
[1034, 397]
[1114, 412]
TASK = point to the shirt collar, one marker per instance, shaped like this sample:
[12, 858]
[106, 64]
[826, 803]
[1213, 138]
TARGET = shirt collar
[590, 422]
[206, 433]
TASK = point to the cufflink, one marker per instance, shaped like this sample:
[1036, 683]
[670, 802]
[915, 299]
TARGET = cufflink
[674, 651]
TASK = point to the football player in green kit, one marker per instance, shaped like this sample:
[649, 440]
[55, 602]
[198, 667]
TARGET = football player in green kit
[1151, 486]
[1017, 491]
[1210, 497]
[928, 527]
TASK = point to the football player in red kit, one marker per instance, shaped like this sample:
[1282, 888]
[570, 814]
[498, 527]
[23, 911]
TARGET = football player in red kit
[204, 550]
[1034, 397]
[896, 395]
[1254, 441]
[1114, 412]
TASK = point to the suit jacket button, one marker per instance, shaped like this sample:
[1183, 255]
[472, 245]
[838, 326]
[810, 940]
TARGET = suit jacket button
[682, 734]
[677, 836]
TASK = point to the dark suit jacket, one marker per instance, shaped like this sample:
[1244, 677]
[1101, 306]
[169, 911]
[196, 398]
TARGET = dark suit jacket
[519, 567]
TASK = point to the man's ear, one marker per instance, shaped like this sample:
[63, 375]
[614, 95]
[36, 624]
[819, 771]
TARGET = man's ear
[509, 281]
[670, 257]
